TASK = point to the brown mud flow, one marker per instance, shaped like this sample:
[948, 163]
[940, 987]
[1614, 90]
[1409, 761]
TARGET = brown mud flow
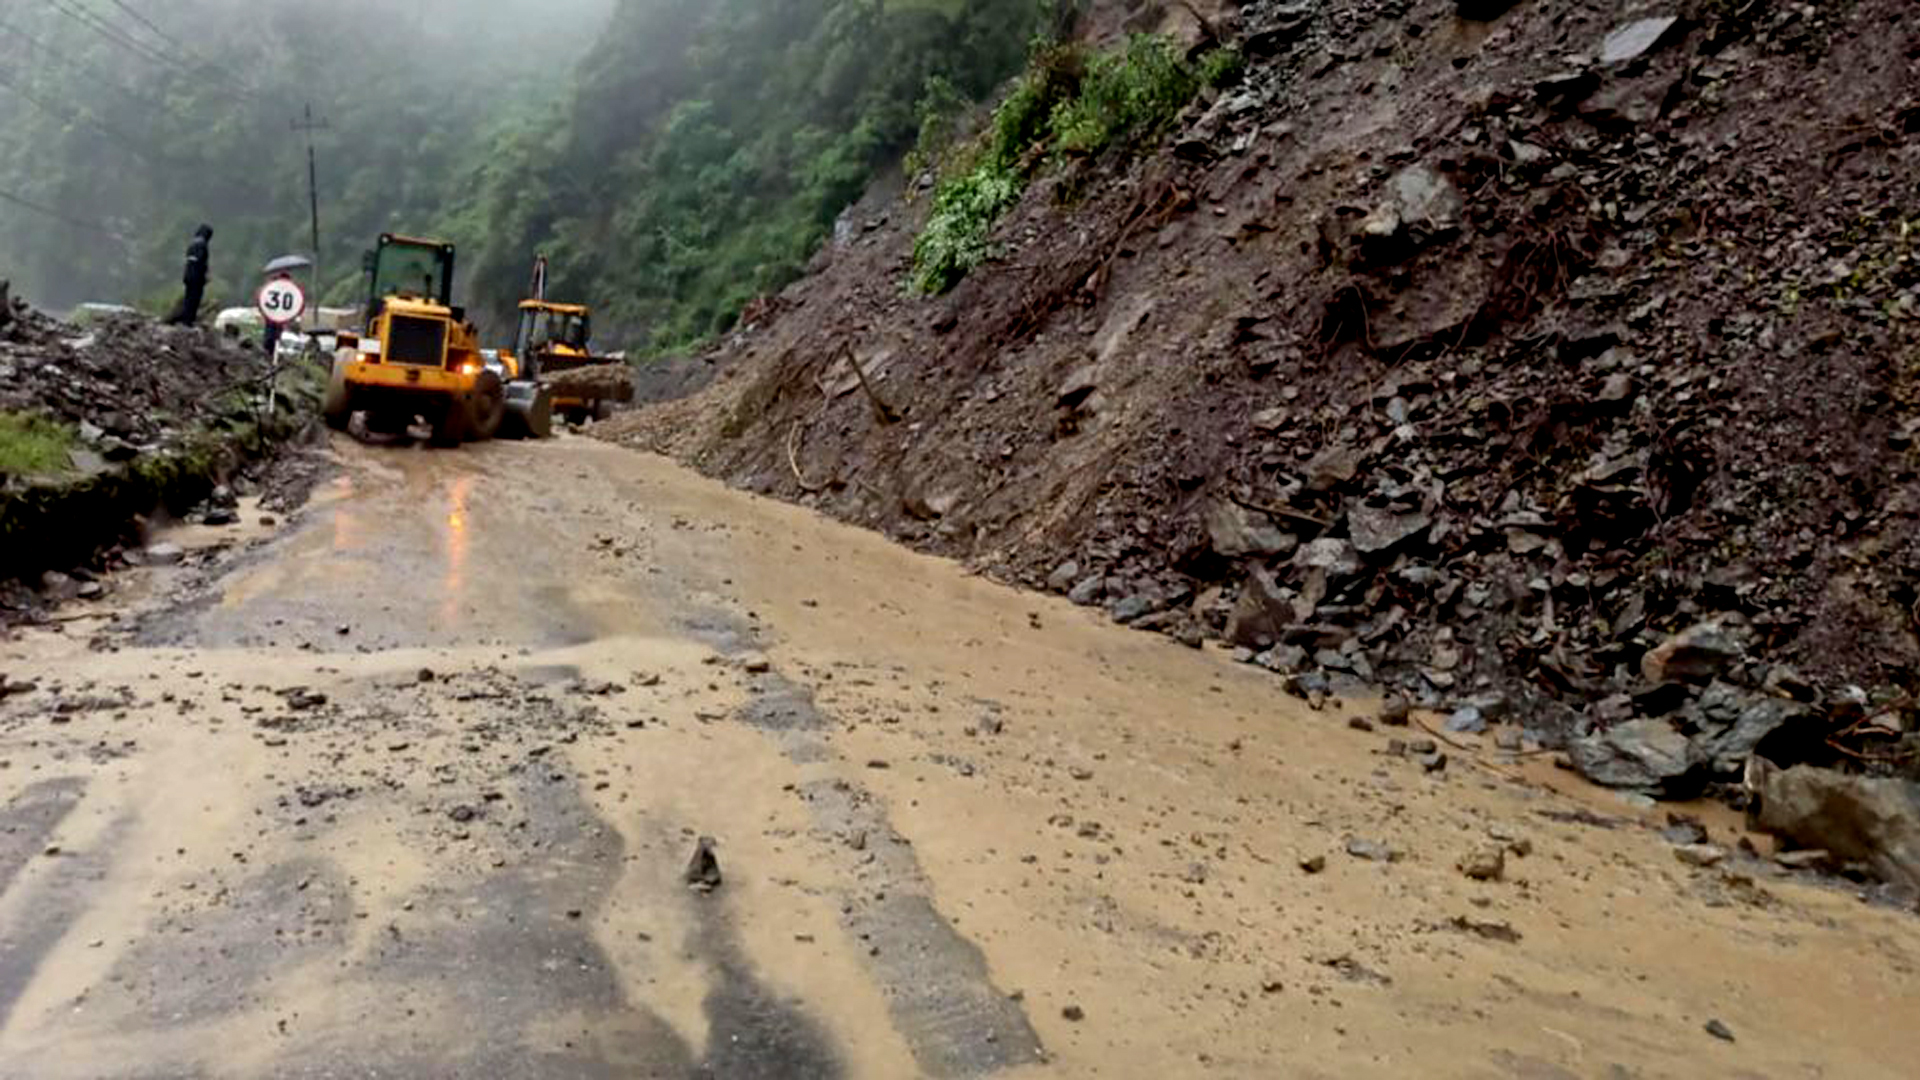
[409, 788]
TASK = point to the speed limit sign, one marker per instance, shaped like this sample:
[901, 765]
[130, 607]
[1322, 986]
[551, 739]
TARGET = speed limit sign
[281, 301]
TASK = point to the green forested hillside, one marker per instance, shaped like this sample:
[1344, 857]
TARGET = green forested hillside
[675, 158]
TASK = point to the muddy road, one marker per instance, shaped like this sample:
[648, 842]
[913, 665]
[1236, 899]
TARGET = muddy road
[408, 786]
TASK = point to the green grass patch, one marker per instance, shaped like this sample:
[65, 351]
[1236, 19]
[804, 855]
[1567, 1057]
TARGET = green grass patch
[1127, 96]
[33, 445]
[1068, 106]
[955, 239]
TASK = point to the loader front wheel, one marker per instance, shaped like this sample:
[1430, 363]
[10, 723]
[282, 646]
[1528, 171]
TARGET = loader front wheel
[486, 407]
[336, 407]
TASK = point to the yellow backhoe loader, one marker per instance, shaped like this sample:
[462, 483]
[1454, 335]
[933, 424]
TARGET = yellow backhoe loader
[418, 359]
[557, 339]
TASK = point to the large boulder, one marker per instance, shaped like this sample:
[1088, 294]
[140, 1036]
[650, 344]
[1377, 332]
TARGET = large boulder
[1730, 724]
[1697, 654]
[1860, 818]
[1641, 755]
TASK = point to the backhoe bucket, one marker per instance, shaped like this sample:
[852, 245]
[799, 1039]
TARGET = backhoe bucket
[529, 411]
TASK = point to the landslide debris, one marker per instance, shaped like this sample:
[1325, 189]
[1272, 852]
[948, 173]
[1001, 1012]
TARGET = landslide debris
[128, 418]
[1553, 359]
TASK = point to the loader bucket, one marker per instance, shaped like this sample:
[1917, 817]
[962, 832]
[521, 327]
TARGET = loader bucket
[529, 411]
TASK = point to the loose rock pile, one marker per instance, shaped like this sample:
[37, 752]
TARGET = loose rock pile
[129, 384]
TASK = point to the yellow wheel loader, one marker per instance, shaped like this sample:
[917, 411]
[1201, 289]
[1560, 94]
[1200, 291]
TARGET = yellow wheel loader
[418, 359]
[557, 340]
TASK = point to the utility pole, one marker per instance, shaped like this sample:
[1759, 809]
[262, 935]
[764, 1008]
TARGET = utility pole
[308, 126]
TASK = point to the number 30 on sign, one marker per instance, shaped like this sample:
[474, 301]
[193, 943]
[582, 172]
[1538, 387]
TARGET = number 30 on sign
[281, 301]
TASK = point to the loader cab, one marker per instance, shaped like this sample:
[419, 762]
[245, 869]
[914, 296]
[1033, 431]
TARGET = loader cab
[402, 267]
[564, 329]
[411, 319]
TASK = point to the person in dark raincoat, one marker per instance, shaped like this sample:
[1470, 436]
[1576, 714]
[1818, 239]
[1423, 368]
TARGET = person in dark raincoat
[194, 277]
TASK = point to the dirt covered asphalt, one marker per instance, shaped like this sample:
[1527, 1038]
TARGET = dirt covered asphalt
[408, 785]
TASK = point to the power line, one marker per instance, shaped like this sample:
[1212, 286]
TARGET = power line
[99, 24]
[113, 134]
[183, 49]
[89, 226]
[92, 21]
[79, 66]
[148, 23]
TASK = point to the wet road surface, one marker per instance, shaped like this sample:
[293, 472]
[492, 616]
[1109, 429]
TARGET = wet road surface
[407, 788]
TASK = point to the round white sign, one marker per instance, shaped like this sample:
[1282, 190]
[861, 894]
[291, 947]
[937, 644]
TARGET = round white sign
[281, 301]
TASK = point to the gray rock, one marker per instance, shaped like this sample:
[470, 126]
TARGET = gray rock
[1424, 196]
[703, 870]
[1263, 609]
[1484, 864]
[164, 554]
[1617, 388]
[1525, 153]
[1731, 726]
[1236, 531]
[1378, 530]
[1337, 558]
[1867, 819]
[1334, 466]
[1283, 657]
[58, 586]
[1467, 720]
[1394, 711]
[1281, 26]
[87, 462]
[1681, 829]
[1134, 607]
[1063, 576]
[1701, 855]
[1719, 1030]
[1804, 859]
[1088, 590]
[1492, 705]
[1636, 39]
[1079, 386]
[221, 515]
[1641, 755]
[1271, 420]
[1371, 850]
[1567, 88]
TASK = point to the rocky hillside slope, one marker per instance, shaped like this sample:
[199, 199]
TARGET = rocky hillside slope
[1470, 348]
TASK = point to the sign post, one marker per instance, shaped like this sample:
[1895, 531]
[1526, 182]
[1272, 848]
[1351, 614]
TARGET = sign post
[281, 301]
